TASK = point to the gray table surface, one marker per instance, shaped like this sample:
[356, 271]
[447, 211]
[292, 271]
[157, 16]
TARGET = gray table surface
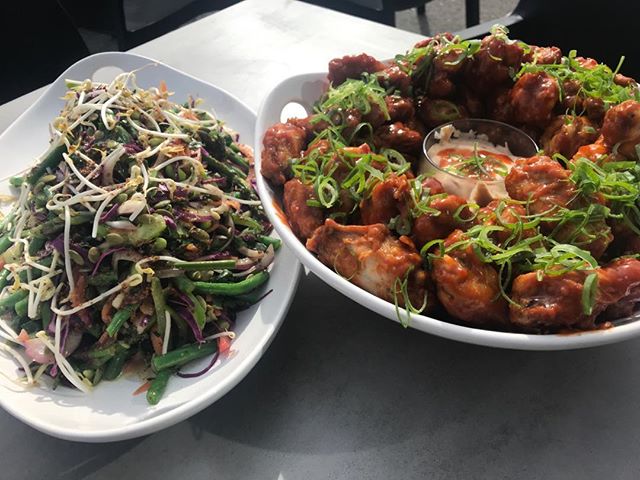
[343, 393]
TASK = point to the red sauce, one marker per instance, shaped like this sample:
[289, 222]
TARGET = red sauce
[279, 212]
[487, 166]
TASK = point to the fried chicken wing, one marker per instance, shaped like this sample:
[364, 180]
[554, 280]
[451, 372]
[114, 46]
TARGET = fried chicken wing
[468, 288]
[509, 215]
[491, 65]
[387, 200]
[393, 77]
[621, 127]
[567, 133]
[372, 258]
[554, 303]
[352, 66]
[400, 109]
[498, 105]
[429, 226]
[533, 98]
[399, 137]
[282, 142]
[542, 182]
[545, 185]
[543, 55]
[303, 219]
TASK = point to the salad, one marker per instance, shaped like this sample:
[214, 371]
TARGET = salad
[133, 241]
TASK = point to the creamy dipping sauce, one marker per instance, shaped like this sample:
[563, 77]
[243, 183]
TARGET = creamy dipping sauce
[470, 155]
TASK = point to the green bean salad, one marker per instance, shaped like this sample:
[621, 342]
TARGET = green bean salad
[133, 242]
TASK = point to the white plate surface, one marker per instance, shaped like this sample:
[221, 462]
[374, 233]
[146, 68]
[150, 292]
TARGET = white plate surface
[305, 90]
[111, 412]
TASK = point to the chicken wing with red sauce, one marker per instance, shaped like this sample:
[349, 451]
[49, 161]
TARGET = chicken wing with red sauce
[533, 98]
[372, 258]
[430, 226]
[398, 137]
[621, 127]
[400, 109]
[395, 78]
[542, 182]
[543, 55]
[352, 66]
[282, 142]
[566, 134]
[545, 185]
[554, 303]
[511, 216]
[491, 65]
[387, 199]
[468, 288]
[303, 218]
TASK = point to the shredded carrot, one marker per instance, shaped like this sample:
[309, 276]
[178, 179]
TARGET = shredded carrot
[163, 87]
[142, 388]
[23, 336]
[224, 344]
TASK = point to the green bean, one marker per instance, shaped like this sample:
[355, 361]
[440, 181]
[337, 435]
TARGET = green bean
[48, 228]
[158, 387]
[119, 318]
[97, 376]
[103, 279]
[3, 278]
[245, 286]
[50, 161]
[237, 159]
[36, 244]
[184, 284]
[206, 265]
[21, 307]
[276, 242]
[159, 304]
[6, 221]
[13, 298]
[184, 332]
[5, 243]
[121, 135]
[234, 174]
[243, 301]
[183, 355]
[113, 369]
[198, 311]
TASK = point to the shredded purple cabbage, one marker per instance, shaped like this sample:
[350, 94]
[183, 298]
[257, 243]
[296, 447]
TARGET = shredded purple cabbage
[103, 256]
[188, 317]
[214, 358]
[109, 214]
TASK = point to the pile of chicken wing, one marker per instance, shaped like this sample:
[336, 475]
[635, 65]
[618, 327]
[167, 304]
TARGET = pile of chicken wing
[559, 254]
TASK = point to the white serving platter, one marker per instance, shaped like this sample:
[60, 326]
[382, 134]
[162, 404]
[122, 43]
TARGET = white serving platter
[295, 97]
[110, 412]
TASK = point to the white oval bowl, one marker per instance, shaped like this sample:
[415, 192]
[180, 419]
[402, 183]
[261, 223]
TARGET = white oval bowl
[110, 412]
[305, 90]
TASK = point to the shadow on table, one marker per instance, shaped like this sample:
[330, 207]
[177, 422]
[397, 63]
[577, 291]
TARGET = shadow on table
[341, 379]
[57, 459]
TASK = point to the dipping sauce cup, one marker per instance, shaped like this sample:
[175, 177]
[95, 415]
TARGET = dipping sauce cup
[475, 157]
